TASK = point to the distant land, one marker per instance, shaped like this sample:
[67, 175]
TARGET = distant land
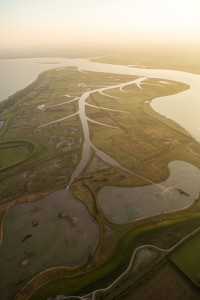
[178, 57]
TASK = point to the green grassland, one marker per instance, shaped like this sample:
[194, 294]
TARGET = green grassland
[187, 259]
[14, 152]
[131, 144]
[105, 140]
[143, 141]
[58, 146]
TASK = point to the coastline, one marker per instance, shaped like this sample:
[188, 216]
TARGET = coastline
[18, 94]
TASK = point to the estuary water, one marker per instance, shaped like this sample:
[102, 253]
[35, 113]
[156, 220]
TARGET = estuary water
[78, 230]
[183, 108]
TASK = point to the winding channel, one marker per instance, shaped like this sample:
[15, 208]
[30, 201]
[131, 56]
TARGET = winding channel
[18, 73]
[87, 144]
[179, 107]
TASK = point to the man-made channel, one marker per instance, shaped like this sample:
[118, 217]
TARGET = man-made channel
[55, 231]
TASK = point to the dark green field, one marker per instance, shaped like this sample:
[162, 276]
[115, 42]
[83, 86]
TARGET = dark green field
[187, 259]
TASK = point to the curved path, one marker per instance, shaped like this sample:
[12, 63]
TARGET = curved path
[92, 296]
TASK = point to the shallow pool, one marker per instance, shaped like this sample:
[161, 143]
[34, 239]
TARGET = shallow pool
[54, 231]
[122, 204]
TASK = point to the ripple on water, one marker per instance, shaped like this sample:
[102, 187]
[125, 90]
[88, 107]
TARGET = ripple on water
[54, 231]
[121, 204]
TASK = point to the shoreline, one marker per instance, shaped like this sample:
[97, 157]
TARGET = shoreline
[17, 95]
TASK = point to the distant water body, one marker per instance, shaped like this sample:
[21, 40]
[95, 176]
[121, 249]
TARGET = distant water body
[183, 108]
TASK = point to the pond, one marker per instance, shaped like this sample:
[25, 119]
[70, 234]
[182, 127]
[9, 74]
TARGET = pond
[122, 204]
[54, 231]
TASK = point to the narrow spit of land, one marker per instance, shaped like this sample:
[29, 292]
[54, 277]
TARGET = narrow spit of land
[66, 115]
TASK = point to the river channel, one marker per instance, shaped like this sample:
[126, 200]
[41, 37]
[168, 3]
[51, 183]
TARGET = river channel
[183, 107]
[23, 228]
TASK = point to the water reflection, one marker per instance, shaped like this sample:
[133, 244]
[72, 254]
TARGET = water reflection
[121, 204]
[54, 231]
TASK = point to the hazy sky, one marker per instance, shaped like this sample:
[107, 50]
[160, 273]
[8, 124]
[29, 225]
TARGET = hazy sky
[27, 23]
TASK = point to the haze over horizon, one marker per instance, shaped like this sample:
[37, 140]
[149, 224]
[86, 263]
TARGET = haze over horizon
[79, 23]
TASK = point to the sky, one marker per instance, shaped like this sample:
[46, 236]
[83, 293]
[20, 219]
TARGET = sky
[69, 23]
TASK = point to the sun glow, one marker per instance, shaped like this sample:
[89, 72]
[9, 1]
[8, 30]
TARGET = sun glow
[78, 22]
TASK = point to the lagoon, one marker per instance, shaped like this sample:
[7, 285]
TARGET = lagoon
[126, 204]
